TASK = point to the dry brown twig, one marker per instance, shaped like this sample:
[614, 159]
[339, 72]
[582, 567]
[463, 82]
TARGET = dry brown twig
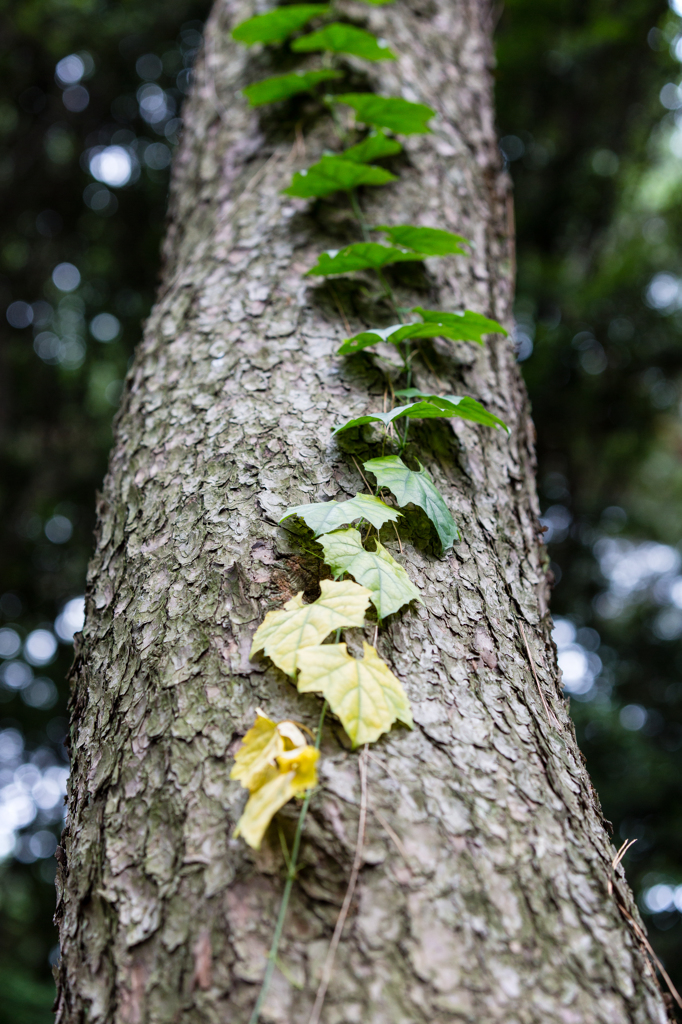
[551, 717]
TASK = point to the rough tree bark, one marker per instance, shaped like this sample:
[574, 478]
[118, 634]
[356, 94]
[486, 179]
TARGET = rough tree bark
[483, 895]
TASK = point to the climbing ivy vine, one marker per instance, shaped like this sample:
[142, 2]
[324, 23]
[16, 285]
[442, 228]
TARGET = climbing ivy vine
[276, 761]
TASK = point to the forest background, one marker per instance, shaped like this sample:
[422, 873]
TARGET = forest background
[589, 109]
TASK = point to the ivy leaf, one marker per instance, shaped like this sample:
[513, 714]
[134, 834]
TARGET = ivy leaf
[363, 693]
[275, 26]
[471, 326]
[285, 631]
[374, 147]
[377, 570]
[332, 173]
[417, 488]
[399, 115]
[280, 87]
[360, 256]
[430, 241]
[275, 764]
[401, 332]
[452, 405]
[326, 516]
[340, 38]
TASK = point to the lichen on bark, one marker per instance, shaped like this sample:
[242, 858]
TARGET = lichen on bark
[484, 890]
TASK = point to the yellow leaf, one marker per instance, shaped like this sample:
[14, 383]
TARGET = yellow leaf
[364, 693]
[256, 759]
[296, 771]
[286, 631]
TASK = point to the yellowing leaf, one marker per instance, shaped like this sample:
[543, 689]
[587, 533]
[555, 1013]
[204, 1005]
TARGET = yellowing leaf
[265, 741]
[390, 585]
[325, 516]
[363, 693]
[295, 771]
[286, 631]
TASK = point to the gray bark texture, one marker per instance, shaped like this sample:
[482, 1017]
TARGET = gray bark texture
[483, 895]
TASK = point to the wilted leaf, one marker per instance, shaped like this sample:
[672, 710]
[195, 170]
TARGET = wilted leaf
[326, 516]
[364, 693]
[374, 147]
[430, 241]
[260, 748]
[332, 173]
[280, 87]
[387, 112]
[377, 570]
[468, 325]
[275, 26]
[340, 38]
[275, 764]
[284, 632]
[360, 256]
[417, 488]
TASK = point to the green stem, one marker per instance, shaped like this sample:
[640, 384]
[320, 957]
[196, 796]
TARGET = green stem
[364, 227]
[291, 877]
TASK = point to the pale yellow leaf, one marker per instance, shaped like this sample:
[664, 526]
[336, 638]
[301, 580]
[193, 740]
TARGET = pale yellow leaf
[296, 771]
[256, 760]
[363, 693]
[286, 631]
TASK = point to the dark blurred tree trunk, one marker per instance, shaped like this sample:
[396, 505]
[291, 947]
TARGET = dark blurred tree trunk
[493, 903]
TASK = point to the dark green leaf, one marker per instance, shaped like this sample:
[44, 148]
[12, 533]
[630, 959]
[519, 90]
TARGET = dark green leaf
[432, 241]
[401, 332]
[360, 256]
[388, 112]
[339, 38]
[280, 87]
[333, 173]
[417, 488]
[374, 147]
[325, 516]
[470, 326]
[275, 26]
[451, 405]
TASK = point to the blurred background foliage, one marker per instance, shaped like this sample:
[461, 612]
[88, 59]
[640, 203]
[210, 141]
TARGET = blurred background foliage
[588, 108]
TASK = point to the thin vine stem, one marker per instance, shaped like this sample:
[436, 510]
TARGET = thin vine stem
[291, 877]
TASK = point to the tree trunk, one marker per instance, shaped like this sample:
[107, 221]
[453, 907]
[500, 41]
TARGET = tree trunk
[484, 889]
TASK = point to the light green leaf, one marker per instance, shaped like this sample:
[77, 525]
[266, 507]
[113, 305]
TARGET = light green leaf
[471, 326]
[417, 488]
[332, 173]
[281, 87]
[374, 147]
[285, 631]
[390, 586]
[325, 516]
[431, 241]
[399, 115]
[275, 26]
[401, 332]
[363, 693]
[340, 38]
[452, 405]
[360, 256]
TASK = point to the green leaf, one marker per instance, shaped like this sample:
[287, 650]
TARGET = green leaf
[360, 256]
[431, 241]
[470, 325]
[286, 631]
[332, 173]
[339, 38]
[451, 405]
[401, 332]
[419, 489]
[388, 112]
[389, 584]
[363, 693]
[275, 26]
[280, 87]
[325, 516]
[374, 147]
